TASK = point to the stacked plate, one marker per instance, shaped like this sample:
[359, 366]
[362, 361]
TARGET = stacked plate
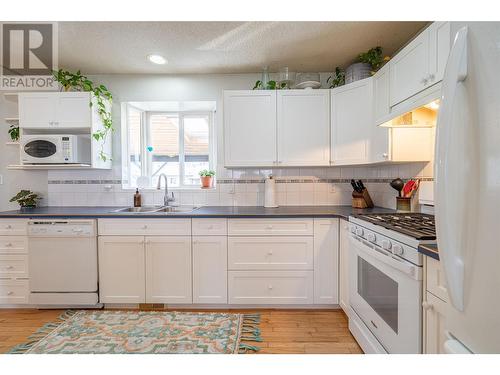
[307, 81]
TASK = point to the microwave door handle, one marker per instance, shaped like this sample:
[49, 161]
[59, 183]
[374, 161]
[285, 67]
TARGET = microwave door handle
[454, 166]
[387, 258]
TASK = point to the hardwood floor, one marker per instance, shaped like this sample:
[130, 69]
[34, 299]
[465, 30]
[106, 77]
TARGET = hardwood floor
[283, 331]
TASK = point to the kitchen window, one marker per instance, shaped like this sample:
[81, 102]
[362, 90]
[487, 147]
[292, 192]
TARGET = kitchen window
[175, 143]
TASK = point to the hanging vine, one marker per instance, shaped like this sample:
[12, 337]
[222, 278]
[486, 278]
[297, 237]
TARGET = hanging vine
[78, 82]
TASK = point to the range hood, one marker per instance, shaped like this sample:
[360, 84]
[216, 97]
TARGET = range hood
[419, 111]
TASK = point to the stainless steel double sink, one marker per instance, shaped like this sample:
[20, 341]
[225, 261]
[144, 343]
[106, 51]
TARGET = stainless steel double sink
[156, 209]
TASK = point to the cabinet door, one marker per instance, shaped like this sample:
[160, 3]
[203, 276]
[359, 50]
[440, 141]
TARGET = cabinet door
[303, 127]
[121, 269]
[73, 110]
[37, 110]
[435, 320]
[210, 269]
[250, 128]
[381, 106]
[326, 266]
[410, 69]
[168, 269]
[344, 266]
[352, 122]
[439, 49]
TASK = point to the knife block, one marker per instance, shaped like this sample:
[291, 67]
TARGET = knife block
[361, 200]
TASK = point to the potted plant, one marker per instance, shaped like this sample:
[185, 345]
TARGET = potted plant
[337, 79]
[206, 177]
[26, 199]
[373, 57]
[14, 132]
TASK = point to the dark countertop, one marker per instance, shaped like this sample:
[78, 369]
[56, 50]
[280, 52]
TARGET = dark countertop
[203, 212]
[429, 250]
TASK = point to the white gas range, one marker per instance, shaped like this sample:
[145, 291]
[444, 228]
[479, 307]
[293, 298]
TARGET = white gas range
[385, 282]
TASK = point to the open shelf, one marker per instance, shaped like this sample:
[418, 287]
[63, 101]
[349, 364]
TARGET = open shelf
[48, 166]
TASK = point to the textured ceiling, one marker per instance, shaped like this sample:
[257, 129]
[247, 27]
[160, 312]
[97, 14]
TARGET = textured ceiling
[224, 47]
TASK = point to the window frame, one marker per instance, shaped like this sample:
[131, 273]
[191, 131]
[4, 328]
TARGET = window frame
[145, 134]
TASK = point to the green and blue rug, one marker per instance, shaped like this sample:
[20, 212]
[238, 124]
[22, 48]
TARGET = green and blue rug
[145, 332]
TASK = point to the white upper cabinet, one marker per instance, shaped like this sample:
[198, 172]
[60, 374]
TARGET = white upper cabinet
[421, 63]
[303, 127]
[381, 104]
[250, 128]
[351, 122]
[55, 110]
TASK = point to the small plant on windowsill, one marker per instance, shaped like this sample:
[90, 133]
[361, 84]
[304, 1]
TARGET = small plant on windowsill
[26, 199]
[206, 177]
[78, 82]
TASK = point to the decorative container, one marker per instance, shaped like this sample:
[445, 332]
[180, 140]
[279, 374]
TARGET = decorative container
[357, 71]
[206, 182]
[403, 204]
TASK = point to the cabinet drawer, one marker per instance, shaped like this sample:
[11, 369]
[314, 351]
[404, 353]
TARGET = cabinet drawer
[270, 253]
[13, 227]
[270, 287]
[14, 291]
[435, 279]
[13, 245]
[152, 227]
[209, 227]
[14, 266]
[272, 227]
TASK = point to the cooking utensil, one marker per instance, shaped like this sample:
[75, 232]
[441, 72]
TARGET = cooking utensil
[407, 188]
[361, 185]
[355, 186]
[398, 185]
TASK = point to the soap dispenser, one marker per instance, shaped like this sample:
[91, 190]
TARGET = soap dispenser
[137, 198]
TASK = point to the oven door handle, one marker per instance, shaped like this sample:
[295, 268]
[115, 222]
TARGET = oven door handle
[385, 257]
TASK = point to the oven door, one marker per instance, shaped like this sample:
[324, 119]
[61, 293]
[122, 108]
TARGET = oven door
[42, 150]
[386, 292]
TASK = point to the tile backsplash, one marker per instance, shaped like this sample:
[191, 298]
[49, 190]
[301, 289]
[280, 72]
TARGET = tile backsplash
[239, 187]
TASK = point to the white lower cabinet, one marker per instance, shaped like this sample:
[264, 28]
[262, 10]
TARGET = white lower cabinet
[168, 269]
[326, 248]
[344, 266]
[121, 269]
[271, 287]
[210, 269]
[435, 319]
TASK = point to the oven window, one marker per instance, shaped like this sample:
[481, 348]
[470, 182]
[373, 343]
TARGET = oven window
[379, 291]
[40, 149]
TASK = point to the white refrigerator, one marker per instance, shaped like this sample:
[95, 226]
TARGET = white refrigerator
[467, 187]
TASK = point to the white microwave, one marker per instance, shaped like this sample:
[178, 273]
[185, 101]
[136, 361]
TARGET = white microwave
[55, 149]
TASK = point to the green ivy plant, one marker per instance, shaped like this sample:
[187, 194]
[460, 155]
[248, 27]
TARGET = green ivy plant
[77, 81]
[337, 79]
[373, 57]
[271, 85]
[207, 173]
[26, 198]
[14, 132]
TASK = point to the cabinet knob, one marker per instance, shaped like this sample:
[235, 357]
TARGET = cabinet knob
[427, 306]
[432, 77]
[9, 267]
[269, 227]
[9, 293]
[424, 81]
[385, 155]
[270, 252]
[270, 287]
[144, 227]
[8, 244]
[8, 226]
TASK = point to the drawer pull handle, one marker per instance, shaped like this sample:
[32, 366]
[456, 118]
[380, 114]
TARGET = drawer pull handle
[8, 244]
[10, 267]
[10, 293]
[270, 252]
[270, 287]
[371, 321]
[8, 226]
[144, 227]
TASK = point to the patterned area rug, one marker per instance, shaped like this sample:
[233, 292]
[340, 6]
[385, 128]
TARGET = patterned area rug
[127, 332]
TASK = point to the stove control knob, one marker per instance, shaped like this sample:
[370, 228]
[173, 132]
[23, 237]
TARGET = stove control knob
[386, 244]
[371, 237]
[397, 250]
[359, 231]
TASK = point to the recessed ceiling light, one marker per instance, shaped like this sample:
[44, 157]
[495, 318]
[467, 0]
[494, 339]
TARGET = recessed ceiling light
[157, 59]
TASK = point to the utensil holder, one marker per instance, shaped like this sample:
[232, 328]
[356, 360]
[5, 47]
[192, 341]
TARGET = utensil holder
[403, 204]
[361, 200]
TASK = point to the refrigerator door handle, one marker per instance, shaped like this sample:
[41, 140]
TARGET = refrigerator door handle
[450, 182]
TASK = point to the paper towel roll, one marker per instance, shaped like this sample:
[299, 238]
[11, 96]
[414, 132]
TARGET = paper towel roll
[270, 192]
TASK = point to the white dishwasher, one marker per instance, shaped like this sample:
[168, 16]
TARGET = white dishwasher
[63, 262]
